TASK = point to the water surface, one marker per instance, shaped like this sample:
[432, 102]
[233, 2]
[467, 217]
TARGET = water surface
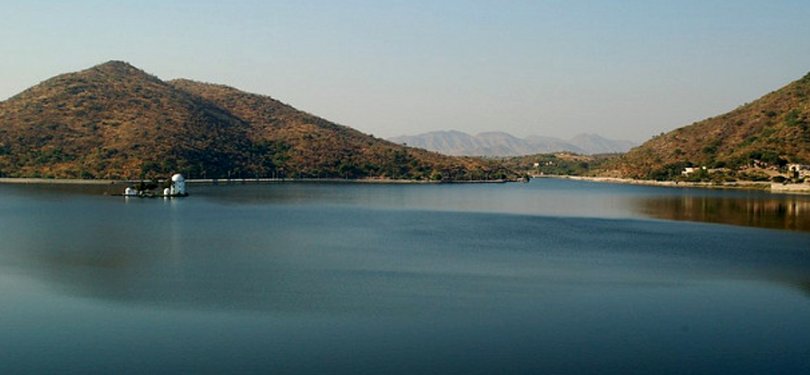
[550, 276]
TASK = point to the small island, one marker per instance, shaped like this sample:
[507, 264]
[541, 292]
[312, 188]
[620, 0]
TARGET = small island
[173, 187]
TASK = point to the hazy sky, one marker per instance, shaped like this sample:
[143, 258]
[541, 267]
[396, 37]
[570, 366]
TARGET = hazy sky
[623, 69]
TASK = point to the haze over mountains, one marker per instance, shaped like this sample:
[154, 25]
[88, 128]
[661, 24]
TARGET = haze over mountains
[504, 144]
[115, 121]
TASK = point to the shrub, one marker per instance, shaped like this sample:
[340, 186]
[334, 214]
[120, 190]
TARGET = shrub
[753, 176]
[668, 172]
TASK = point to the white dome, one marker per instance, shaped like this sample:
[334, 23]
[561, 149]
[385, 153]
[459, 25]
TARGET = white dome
[178, 178]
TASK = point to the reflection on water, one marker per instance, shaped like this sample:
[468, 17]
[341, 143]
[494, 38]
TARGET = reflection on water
[403, 279]
[805, 287]
[63, 191]
[363, 248]
[546, 197]
[790, 212]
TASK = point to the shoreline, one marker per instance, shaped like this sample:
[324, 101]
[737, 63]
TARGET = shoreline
[770, 187]
[58, 181]
[55, 181]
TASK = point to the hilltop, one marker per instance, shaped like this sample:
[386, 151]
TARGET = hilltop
[504, 144]
[767, 133]
[115, 121]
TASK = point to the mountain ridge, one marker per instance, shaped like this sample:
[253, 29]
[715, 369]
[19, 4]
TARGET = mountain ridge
[494, 143]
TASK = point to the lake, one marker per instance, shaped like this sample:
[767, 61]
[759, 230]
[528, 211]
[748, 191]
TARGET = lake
[553, 276]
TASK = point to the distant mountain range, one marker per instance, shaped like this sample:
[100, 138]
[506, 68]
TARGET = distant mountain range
[114, 121]
[504, 144]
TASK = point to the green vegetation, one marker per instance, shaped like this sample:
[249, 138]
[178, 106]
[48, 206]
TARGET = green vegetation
[668, 172]
[567, 164]
[753, 176]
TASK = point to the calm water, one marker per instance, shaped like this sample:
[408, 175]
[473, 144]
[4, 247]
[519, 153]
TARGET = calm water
[549, 277]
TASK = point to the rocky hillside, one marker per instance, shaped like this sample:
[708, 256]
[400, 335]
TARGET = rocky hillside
[773, 130]
[115, 121]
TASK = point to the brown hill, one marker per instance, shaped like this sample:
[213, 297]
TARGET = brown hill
[115, 121]
[319, 148]
[774, 129]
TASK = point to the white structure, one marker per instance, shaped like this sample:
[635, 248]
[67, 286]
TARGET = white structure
[798, 170]
[689, 170]
[178, 185]
[167, 192]
[130, 192]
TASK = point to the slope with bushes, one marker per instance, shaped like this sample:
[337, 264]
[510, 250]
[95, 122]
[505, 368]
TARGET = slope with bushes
[115, 121]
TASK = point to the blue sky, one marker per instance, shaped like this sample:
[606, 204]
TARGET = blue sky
[623, 69]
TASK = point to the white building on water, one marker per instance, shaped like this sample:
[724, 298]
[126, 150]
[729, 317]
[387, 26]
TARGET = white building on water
[178, 186]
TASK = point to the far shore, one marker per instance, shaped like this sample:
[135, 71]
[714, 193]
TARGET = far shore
[772, 187]
[56, 181]
[224, 181]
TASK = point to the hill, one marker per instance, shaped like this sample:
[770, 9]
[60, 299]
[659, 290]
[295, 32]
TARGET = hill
[559, 163]
[115, 121]
[505, 144]
[769, 132]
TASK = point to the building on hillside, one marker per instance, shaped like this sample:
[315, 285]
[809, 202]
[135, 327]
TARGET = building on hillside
[689, 170]
[796, 170]
[718, 170]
